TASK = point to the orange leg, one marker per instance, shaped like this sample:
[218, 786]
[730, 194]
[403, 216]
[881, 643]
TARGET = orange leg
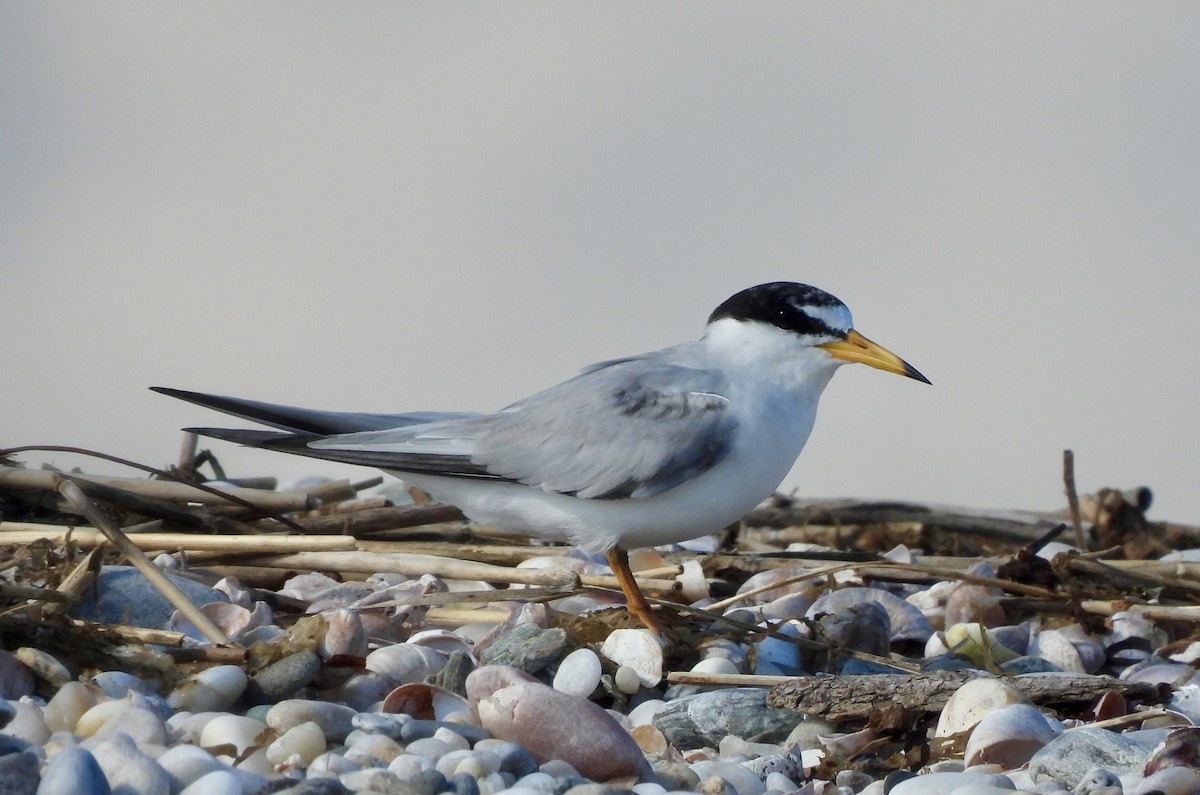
[635, 601]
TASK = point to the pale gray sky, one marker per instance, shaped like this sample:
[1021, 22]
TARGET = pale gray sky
[394, 206]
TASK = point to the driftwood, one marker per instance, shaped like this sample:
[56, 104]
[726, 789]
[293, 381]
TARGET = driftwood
[840, 698]
[86, 538]
[277, 501]
[375, 520]
[1016, 526]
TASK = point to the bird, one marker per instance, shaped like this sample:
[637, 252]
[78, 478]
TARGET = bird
[640, 451]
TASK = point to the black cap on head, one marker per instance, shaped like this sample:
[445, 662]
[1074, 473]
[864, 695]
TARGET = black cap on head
[800, 308]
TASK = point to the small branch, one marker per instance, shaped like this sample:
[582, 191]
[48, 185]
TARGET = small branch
[195, 542]
[276, 501]
[168, 589]
[857, 697]
[1073, 498]
[415, 566]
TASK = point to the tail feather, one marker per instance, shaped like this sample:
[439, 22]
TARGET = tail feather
[293, 418]
[298, 444]
[300, 427]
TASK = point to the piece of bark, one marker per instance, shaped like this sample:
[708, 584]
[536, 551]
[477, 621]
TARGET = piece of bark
[839, 698]
[374, 520]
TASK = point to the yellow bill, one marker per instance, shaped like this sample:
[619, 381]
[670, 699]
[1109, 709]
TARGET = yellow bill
[857, 348]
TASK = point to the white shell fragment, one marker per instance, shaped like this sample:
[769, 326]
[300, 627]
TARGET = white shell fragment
[636, 649]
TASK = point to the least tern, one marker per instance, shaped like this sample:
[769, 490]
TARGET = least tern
[634, 452]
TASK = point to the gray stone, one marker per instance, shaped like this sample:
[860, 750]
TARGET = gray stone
[421, 729]
[702, 720]
[19, 773]
[71, 772]
[428, 782]
[283, 679]
[1072, 755]
[317, 786]
[335, 720]
[527, 647]
[127, 597]
[381, 723]
[676, 776]
[16, 680]
[463, 784]
[382, 781]
[513, 758]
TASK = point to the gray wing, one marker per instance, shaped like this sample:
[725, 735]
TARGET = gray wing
[632, 428]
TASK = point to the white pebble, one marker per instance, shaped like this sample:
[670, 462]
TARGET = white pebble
[453, 740]
[128, 770]
[237, 730]
[29, 724]
[218, 782]
[90, 722]
[627, 680]
[376, 746]
[68, 704]
[643, 713]
[450, 762]
[330, 765]
[187, 763]
[429, 748]
[579, 673]
[141, 725]
[214, 689]
[715, 665]
[306, 741]
[408, 765]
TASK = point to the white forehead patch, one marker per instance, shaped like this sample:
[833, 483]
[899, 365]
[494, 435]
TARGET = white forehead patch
[836, 316]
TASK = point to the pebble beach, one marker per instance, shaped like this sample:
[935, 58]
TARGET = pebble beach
[384, 682]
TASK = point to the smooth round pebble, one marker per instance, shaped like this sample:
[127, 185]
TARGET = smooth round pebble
[627, 680]
[335, 720]
[555, 726]
[579, 673]
[73, 771]
[214, 689]
[305, 741]
[127, 769]
[218, 782]
[65, 708]
[187, 763]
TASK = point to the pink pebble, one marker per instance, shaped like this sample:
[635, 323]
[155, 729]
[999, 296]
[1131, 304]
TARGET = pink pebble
[550, 724]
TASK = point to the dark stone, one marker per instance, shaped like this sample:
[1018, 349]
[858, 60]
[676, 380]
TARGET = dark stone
[428, 782]
[282, 679]
[19, 773]
[702, 720]
[127, 597]
[463, 784]
[527, 646]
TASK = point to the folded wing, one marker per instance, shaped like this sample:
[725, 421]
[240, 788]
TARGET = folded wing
[632, 428]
